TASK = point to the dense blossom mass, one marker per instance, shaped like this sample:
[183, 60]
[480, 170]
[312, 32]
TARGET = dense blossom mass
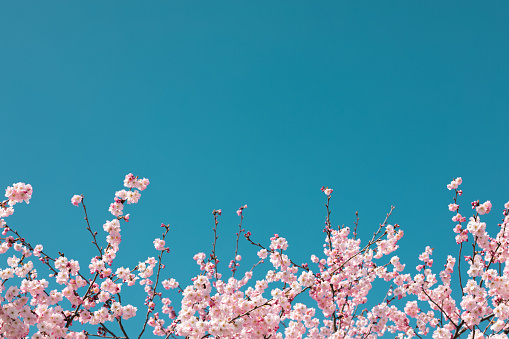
[219, 305]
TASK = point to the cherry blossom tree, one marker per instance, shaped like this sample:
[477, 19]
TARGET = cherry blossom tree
[234, 305]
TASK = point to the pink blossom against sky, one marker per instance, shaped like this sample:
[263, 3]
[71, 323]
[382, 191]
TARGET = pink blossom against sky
[222, 105]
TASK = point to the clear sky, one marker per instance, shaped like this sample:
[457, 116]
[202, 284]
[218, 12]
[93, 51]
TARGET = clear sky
[226, 103]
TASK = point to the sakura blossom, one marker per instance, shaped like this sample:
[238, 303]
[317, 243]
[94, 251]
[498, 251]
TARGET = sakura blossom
[76, 200]
[18, 193]
[265, 300]
[328, 191]
[159, 244]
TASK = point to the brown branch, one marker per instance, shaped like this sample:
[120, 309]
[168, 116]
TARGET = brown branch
[151, 299]
[94, 234]
[234, 261]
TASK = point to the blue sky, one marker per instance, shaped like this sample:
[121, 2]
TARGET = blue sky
[222, 104]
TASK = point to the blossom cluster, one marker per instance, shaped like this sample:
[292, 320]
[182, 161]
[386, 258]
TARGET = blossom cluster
[31, 305]
[130, 196]
[259, 304]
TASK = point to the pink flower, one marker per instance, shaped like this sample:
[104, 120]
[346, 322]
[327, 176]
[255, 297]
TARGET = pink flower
[488, 206]
[459, 218]
[38, 250]
[239, 211]
[133, 197]
[130, 180]
[76, 200]
[481, 209]
[455, 183]
[5, 212]
[116, 208]
[171, 283]
[262, 253]
[141, 184]
[326, 190]
[159, 244]
[121, 194]
[19, 192]
[128, 311]
[484, 208]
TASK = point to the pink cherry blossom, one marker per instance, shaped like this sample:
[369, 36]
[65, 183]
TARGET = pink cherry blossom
[76, 200]
[159, 244]
[239, 211]
[453, 207]
[130, 180]
[327, 190]
[454, 183]
[338, 282]
[18, 193]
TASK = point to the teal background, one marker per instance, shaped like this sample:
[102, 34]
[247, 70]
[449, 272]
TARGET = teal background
[223, 103]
